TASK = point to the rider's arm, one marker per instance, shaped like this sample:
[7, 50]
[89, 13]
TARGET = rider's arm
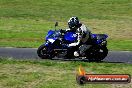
[64, 31]
[83, 35]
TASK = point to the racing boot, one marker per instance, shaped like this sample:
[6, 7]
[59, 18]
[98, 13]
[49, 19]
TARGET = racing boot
[76, 54]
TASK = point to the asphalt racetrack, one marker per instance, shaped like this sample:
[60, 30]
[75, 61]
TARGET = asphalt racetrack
[31, 53]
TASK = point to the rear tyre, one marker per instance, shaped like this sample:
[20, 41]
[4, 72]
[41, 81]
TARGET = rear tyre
[97, 55]
[42, 52]
[102, 53]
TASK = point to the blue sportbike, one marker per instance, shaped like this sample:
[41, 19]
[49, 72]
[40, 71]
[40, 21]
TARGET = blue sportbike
[56, 45]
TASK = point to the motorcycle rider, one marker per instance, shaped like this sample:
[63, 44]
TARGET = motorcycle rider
[83, 36]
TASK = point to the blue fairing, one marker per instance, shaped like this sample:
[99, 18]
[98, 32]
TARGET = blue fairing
[99, 40]
[53, 35]
[94, 35]
[70, 36]
[50, 32]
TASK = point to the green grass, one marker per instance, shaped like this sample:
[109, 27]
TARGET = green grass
[55, 74]
[120, 45]
[24, 23]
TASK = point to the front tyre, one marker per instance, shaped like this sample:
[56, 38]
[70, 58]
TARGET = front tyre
[42, 52]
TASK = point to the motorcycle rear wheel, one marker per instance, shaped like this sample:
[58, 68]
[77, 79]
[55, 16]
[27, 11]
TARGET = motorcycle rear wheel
[102, 53]
[97, 55]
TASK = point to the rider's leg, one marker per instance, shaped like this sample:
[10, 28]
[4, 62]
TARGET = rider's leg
[83, 48]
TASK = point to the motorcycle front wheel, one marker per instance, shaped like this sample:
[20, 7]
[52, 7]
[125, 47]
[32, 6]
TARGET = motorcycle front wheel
[42, 52]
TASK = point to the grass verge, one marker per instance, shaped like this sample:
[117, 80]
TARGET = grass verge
[25, 23]
[55, 74]
[19, 32]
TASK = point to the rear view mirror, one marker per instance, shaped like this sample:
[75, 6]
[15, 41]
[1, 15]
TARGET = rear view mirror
[56, 24]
